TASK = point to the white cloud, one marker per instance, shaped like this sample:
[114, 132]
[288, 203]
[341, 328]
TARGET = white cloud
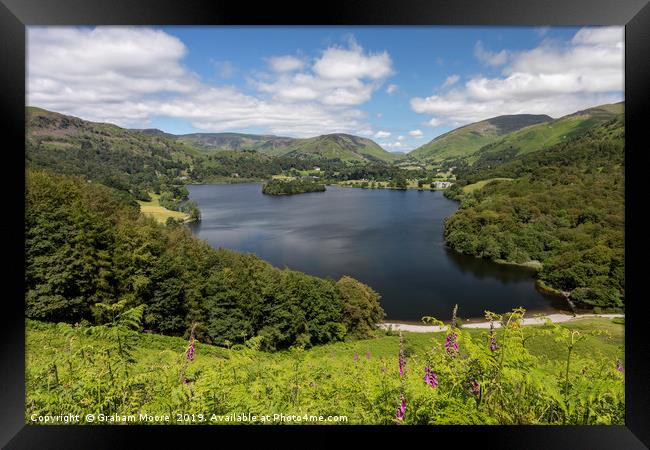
[286, 63]
[391, 89]
[382, 134]
[553, 78]
[338, 63]
[490, 58]
[339, 77]
[400, 138]
[450, 81]
[129, 75]
[416, 133]
[434, 122]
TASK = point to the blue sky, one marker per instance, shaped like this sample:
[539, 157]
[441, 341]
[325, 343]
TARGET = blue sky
[401, 86]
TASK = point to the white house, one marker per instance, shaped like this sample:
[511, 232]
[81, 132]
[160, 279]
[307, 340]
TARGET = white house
[441, 184]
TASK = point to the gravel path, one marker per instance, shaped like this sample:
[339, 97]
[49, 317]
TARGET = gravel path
[557, 318]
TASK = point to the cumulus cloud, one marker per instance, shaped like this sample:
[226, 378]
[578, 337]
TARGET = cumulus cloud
[339, 77]
[416, 133]
[382, 134]
[391, 89]
[400, 138]
[339, 63]
[555, 78]
[490, 58]
[129, 75]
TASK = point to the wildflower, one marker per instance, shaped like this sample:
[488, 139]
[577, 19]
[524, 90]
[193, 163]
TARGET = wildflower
[430, 377]
[402, 359]
[451, 345]
[367, 355]
[475, 387]
[493, 339]
[186, 381]
[190, 350]
[356, 357]
[401, 409]
[619, 366]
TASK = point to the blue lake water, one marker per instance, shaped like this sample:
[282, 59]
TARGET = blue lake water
[391, 240]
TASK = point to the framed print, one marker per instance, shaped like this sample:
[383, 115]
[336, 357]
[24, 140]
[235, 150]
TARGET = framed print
[399, 218]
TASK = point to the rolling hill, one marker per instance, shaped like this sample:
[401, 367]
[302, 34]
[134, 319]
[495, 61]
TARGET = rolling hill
[547, 134]
[234, 141]
[341, 146]
[468, 139]
[103, 152]
[345, 147]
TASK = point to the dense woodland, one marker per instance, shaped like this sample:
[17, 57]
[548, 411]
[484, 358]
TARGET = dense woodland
[290, 187]
[564, 207]
[87, 245]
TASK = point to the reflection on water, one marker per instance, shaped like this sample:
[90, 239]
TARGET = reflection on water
[390, 240]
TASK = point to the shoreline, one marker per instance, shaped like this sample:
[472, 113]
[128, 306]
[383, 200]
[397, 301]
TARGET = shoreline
[555, 318]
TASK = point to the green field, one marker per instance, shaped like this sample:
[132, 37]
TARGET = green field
[479, 184]
[160, 213]
[79, 370]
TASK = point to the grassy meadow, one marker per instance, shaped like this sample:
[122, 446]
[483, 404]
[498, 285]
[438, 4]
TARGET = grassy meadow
[160, 213]
[480, 184]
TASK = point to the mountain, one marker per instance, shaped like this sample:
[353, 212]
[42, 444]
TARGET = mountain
[547, 134]
[345, 147]
[234, 141]
[468, 139]
[103, 151]
[151, 160]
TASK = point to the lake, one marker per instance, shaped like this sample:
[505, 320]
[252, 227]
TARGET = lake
[389, 239]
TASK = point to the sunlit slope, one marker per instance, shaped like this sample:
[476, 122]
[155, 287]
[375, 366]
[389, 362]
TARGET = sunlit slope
[547, 134]
[466, 140]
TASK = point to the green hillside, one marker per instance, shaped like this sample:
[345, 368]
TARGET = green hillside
[234, 141]
[468, 139]
[121, 158]
[338, 146]
[150, 160]
[563, 207]
[345, 147]
[547, 134]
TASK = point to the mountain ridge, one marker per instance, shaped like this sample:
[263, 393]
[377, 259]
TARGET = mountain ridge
[471, 137]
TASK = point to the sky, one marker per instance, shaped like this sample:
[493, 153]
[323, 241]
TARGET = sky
[400, 86]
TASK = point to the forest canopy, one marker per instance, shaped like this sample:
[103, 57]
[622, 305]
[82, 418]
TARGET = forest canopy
[564, 207]
[87, 245]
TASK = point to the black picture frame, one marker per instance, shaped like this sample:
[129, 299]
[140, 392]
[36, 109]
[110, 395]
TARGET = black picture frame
[15, 15]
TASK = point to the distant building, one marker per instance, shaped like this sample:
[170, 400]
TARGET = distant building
[441, 184]
[235, 175]
[317, 169]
